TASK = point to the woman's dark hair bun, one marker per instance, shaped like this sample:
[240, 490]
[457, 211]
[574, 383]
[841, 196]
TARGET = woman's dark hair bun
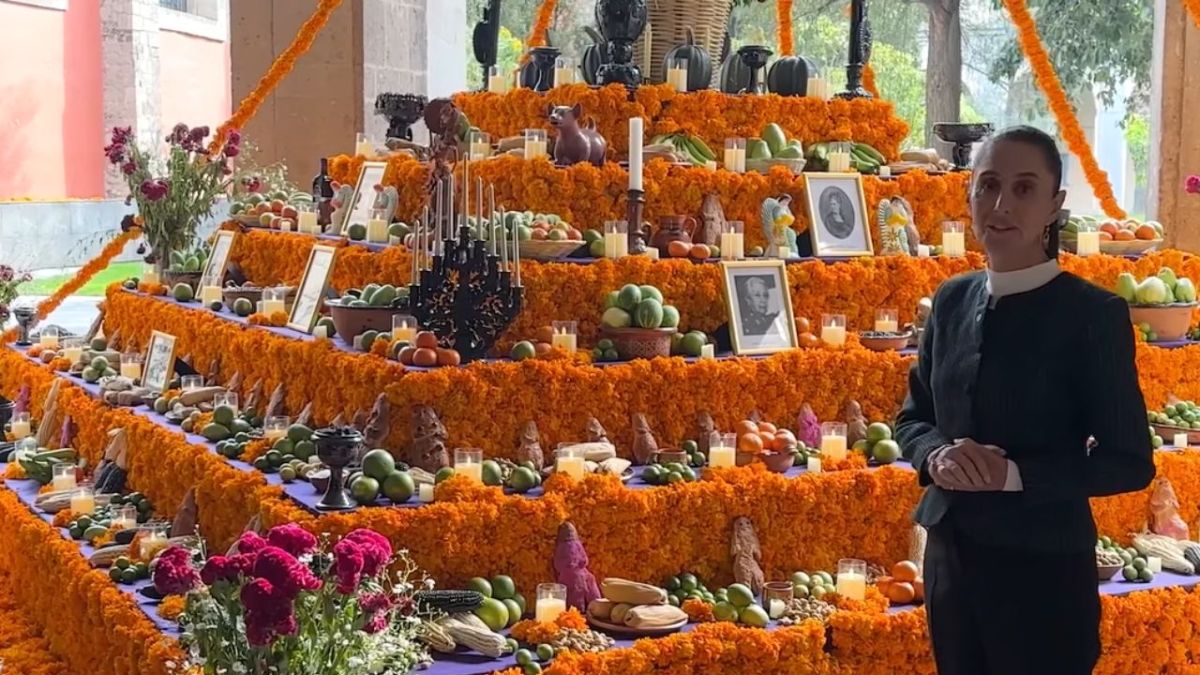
[1043, 141]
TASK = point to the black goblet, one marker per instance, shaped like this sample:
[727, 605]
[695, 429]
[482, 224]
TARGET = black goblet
[337, 447]
[755, 58]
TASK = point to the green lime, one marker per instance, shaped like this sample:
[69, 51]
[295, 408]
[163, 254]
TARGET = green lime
[129, 576]
[533, 669]
[672, 584]
[514, 611]
[524, 657]
[143, 570]
[378, 464]
[443, 473]
[503, 587]
[1140, 564]
[481, 586]
[522, 479]
[690, 446]
[1130, 573]
[674, 601]
[801, 578]
[687, 581]
[545, 652]
[1146, 576]
[520, 600]
[122, 562]
[114, 573]
[674, 477]
[511, 645]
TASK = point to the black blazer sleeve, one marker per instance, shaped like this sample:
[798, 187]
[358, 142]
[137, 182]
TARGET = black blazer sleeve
[916, 425]
[1122, 459]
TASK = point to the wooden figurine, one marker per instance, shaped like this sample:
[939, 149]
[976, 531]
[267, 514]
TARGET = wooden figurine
[530, 449]
[275, 404]
[21, 405]
[342, 196]
[45, 430]
[114, 341]
[428, 449]
[571, 568]
[747, 555]
[856, 423]
[66, 432]
[252, 399]
[1164, 511]
[706, 427]
[255, 525]
[378, 422]
[644, 445]
[235, 383]
[712, 221]
[111, 473]
[96, 328]
[359, 421]
[339, 421]
[184, 524]
[575, 143]
[595, 432]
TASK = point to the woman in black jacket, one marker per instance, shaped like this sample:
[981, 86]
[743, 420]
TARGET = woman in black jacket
[1024, 402]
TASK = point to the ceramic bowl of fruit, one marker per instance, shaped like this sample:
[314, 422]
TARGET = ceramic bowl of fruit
[371, 308]
[544, 237]
[884, 342]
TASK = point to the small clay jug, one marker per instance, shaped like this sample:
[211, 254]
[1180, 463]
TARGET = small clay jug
[639, 239]
[673, 228]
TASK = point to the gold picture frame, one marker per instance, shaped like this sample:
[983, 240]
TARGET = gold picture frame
[158, 368]
[311, 291]
[370, 175]
[770, 328]
[218, 260]
[826, 235]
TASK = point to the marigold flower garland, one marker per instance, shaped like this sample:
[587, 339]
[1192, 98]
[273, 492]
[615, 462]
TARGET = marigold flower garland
[541, 27]
[868, 80]
[280, 68]
[783, 14]
[84, 275]
[1060, 105]
[1193, 8]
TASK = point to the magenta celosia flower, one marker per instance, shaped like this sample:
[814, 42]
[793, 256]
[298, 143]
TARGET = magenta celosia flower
[128, 168]
[293, 539]
[250, 542]
[374, 603]
[268, 612]
[121, 135]
[234, 137]
[173, 572]
[232, 150]
[226, 568]
[155, 190]
[115, 153]
[1193, 184]
[377, 623]
[347, 566]
[376, 550]
[288, 575]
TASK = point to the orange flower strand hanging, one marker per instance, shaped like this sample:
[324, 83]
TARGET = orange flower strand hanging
[783, 14]
[541, 27]
[868, 80]
[1193, 8]
[1064, 114]
[280, 68]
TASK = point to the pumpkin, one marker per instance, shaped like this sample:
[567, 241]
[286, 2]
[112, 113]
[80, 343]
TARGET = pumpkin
[699, 63]
[735, 75]
[789, 75]
[594, 56]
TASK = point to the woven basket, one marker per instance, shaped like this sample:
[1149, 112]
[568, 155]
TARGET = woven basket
[668, 24]
[640, 343]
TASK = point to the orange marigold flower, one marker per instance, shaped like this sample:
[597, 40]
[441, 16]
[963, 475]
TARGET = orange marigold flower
[698, 611]
[172, 606]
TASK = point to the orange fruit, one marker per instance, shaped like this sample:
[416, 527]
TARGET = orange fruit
[425, 357]
[1106, 236]
[809, 341]
[1146, 233]
[768, 439]
[1124, 235]
[1110, 227]
[699, 251]
[882, 583]
[905, 570]
[538, 234]
[426, 340]
[750, 443]
[803, 325]
[745, 427]
[448, 357]
[574, 234]
[406, 355]
[541, 348]
[679, 249]
[901, 593]
[919, 590]
[767, 427]
[545, 334]
[784, 440]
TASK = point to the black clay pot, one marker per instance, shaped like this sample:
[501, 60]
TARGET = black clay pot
[337, 447]
[538, 73]
[6, 411]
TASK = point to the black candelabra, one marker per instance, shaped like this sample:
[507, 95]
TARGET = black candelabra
[860, 50]
[621, 23]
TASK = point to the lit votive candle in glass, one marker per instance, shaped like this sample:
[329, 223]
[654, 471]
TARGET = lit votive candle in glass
[812, 88]
[363, 145]
[191, 382]
[833, 441]
[954, 239]
[569, 460]
[565, 335]
[229, 398]
[677, 75]
[535, 143]
[64, 477]
[49, 337]
[616, 239]
[814, 465]
[150, 274]
[276, 427]
[735, 155]
[154, 541]
[564, 71]
[131, 366]
[425, 493]
[377, 227]
[73, 350]
[272, 301]
[776, 596]
[887, 321]
[551, 601]
[306, 218]
[852, 579]
[1087, 243]
[733, 241]
[83, 501]
[481, 145]
[126, 518]
[20, 425]
[839, 158]
[497, 81]
[469, 463]
[721, 449]
[833, 329]
[404, 328]
[209, 294]
[1181, 440]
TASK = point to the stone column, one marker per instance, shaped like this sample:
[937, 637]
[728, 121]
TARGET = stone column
[1175, 143]
[129, 52]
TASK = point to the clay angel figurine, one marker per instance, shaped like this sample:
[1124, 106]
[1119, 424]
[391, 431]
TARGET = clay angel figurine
[595, 433]
[342, 196]
[705, 428]
[777, 222]
[1164, 511]
[644, 445]
[856, 423]
[530, 449]
[808, 427]
[387, 199]
[571, 568]
[897, 230]
[428, 450]
[712, 220]
[747, 554]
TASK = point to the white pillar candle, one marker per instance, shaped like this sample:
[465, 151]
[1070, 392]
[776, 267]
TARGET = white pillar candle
[425, 493]
[377, 231]
[1087, 243]
[1181, 440]
[1154, 563]
[635, 151]
[814, 465]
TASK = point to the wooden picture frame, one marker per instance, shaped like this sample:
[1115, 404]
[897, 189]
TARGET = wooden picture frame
[159, 365]
[363, 200]
[759, 330]
[828, 196]
[218, 260]
[311, 291]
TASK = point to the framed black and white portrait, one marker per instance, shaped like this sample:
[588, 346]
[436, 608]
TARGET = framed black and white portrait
[837, 210]
[759, 305]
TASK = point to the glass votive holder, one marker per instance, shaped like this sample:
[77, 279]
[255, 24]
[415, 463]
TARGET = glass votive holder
[404, 328]
[63, 477]
[481, 145]
[721, 450]
[833, 329]
[276, 427]
[469, 463]
[564, 71]
[154, 540]
[954, 242]
[852, 579]
[307, 218]
[150, 274]
[21, 425]
[126, 517]
[363, 145]
[677, 75]
[229, 398]
[83, 501]
[776, 597]
[551, 601]
[49, 337]
[72, 349]
[535, 143]
[569, 460]
[497, 81]
[131, 366]
[191, 382]
[565, 335]
[833, 441]
[887, 321]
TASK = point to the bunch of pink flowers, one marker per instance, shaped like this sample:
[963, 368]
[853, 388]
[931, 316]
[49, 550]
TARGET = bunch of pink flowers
[1192, 185]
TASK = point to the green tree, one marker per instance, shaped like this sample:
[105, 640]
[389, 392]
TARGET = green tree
[1137, 141]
